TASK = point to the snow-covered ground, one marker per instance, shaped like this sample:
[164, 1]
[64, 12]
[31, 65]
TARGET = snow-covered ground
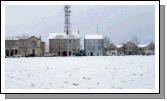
[97, 72]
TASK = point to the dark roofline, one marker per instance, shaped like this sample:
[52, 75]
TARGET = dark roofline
[34, 36]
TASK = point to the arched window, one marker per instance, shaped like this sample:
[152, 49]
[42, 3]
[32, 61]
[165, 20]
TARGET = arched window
[33, 44]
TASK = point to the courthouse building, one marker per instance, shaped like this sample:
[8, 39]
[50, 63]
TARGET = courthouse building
[24, 46]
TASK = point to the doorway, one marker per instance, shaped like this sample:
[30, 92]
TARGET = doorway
[69, 53]
[91, 53]
[64, 53]
[33, 52]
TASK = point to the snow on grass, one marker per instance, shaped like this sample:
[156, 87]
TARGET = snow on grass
[97, 72]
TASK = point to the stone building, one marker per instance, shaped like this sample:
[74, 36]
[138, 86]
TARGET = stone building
[111, 50]
[147, 49]
[61, 44]
[120, 49]
[130, 48]
[94, 45]
[141, 49]
[114, 49]
[24, 46]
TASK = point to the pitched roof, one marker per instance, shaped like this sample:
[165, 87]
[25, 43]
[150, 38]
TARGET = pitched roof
[64, 36]
[19, 37]
[93, 36]
[118, 46]
[142, 45]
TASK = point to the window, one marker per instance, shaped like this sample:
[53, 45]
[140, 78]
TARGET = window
[33, 44]
[16, 52]
[11, 53]
[151, 48]
[93, 47]
[88, 47]
[7, 52]
[99, 47]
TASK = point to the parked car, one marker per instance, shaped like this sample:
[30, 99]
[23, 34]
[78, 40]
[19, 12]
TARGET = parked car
[17, 56]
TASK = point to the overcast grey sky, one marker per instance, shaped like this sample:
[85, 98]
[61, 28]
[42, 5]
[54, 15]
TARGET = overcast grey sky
[120, 23]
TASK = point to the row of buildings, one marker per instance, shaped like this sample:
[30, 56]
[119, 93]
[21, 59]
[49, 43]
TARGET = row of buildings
[68, 43]
[61, 44]
[130, 48]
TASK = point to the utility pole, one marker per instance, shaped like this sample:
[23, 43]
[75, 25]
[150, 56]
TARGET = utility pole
[97, 29]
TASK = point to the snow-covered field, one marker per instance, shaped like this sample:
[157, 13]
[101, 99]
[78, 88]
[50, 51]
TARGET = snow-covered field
[97, 72]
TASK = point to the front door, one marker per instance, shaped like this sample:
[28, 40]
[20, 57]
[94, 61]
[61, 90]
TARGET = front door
[91, 53]
[33, 52]
[64, 53]
[69, 53]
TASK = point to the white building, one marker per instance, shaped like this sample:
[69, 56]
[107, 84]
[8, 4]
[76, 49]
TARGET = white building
[61, 44]
[93, 45]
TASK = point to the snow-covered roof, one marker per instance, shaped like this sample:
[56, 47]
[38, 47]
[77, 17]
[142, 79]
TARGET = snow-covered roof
[93, 36]
[119, 46]
[142, 45]
[64, 36]
[17, 37]
[11, 38]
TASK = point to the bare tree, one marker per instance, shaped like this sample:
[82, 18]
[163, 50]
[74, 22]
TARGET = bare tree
[136, 40]
[153, 42]
[106, 43]
[25, 47]
[123, 48]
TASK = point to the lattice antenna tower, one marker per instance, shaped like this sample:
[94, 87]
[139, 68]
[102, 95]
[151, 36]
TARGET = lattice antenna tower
[67, 25]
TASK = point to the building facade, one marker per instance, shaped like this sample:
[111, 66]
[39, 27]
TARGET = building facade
[24, 46]
[61, 44]
[131, 48]
[148, 49]
[94, 45]
[111, 50]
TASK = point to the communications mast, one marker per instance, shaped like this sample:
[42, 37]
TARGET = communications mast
[67, 25]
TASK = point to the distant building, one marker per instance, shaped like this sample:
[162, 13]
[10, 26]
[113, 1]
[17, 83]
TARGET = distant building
[119, 49]
[61, 44]
[93, 45]
[141, 48]
[130, 48]
[114, 49]
[111, 50]
[24, 46]
[147, 49]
